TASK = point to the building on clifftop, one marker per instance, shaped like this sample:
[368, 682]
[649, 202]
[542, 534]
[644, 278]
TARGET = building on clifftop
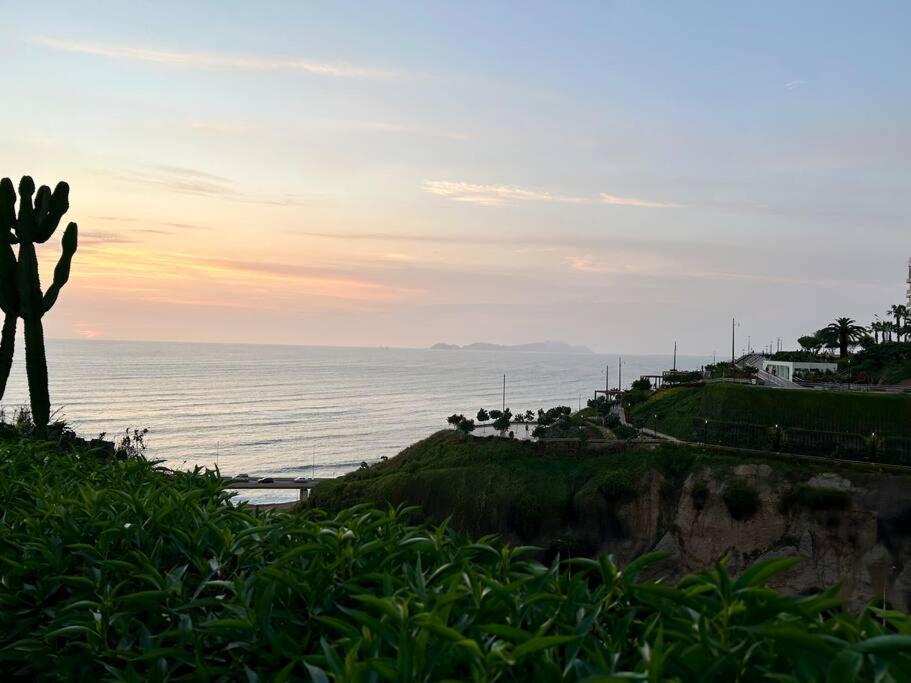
[909, 283]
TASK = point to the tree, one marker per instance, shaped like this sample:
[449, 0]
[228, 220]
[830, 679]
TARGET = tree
[35, 224]
[876, 327]
[483, 416]
[847, 333]
[501, 423]
[810, 343]
[827, 338]
[455, 419]
[601, 404]
[866, 341]
[529, 416]
[641, 384]
[900, 313]
[495, 414]
[466, 426]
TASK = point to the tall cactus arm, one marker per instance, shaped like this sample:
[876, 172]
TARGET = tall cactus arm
[7, 347]
[50, 210]
[7, 205]
[28, 283]
[9, 300]
[62, 271]
[9, 297]
[25, 227]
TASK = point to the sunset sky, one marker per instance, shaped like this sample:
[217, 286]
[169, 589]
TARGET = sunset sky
[615, 174]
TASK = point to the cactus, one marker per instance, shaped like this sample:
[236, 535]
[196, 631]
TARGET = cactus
[9, 299]
[20, 285]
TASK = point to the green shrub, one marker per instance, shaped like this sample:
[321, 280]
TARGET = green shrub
[126, 571]
[742, 500]
[619, 485]
[624, 432]
[817, 498]
[699, 494]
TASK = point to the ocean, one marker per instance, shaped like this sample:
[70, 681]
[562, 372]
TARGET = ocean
[296, 410]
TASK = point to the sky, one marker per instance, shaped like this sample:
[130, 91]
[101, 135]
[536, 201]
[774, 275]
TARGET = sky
[615, 174]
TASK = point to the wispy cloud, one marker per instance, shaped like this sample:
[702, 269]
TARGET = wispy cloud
[793, 85]
[191, 181]
[190, 279]
[497, 195]
[656, 264]
[169, 225]
[632, 201]
[400, 129]
[490, 195]
[219, 127]
[212, 62]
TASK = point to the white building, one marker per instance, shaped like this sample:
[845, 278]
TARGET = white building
[785, 368]
[909, 283]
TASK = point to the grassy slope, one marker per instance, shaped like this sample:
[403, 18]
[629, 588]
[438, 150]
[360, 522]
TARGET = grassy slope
[532, 491]
[850, 412]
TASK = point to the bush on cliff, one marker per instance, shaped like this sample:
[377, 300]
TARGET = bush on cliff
[741, 498]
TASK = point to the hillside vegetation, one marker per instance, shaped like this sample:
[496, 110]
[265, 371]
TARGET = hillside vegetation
[860, 413]
[120, 570]
[557, 496]
[483, 485]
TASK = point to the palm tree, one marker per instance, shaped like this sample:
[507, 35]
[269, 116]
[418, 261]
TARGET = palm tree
[847, 331]
[900, 313]
[876, 327]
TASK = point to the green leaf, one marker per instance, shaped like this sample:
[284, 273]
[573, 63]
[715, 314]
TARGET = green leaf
[884, 645]
[540, 643]
[69, 631]
[761, 572]
[845, 667]
[317, 675]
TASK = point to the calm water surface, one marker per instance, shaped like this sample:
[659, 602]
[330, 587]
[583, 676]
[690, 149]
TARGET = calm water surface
[285, 410]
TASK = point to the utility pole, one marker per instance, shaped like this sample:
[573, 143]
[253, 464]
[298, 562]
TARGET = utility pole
[504, 392]
[733, 323]
[620, 372]
[606, 380]
[675, 356]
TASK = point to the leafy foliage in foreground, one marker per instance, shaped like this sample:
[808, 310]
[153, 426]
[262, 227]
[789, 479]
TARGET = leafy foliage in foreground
[126, 571]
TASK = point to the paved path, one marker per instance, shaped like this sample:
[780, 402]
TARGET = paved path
[659, 435]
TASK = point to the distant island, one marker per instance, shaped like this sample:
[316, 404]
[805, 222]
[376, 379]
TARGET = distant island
[547, 346]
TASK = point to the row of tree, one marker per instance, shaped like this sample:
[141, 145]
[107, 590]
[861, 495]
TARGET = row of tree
[502, 419]
[844, 333]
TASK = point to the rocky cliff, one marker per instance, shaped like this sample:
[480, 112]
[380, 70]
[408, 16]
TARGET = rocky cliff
[855, 532]
[849, 524]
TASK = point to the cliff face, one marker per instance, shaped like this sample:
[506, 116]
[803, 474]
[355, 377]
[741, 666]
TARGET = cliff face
[856, 534]
[849, 525]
